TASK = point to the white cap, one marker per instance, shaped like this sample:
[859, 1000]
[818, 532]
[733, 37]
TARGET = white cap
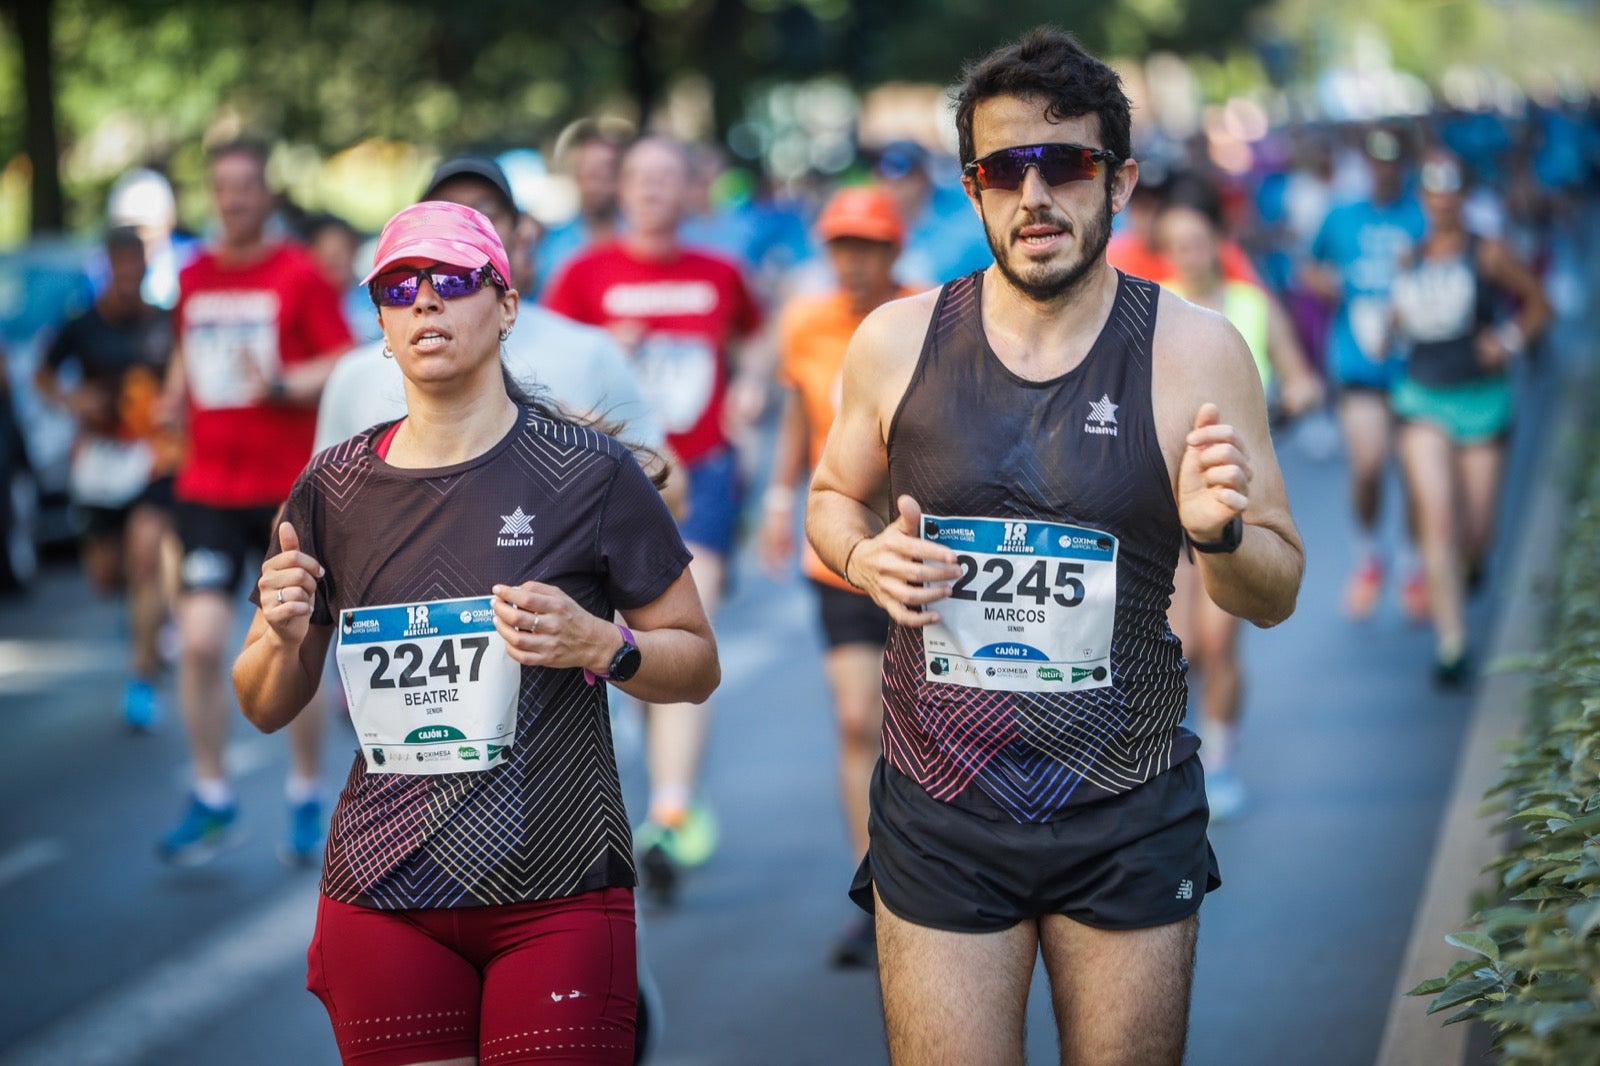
[142, 197]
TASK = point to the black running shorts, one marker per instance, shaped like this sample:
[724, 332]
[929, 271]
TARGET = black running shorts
[1133, 861]
[850, 617]
[217, 541]
[111, 521]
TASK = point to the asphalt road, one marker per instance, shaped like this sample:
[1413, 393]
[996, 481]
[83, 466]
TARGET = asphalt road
[110, 957]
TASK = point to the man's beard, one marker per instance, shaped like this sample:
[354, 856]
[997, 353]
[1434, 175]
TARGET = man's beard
[1052, 287]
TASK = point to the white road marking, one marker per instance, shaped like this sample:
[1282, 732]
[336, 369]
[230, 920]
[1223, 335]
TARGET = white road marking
[179, 994]
[29, 857]
[156, 1006]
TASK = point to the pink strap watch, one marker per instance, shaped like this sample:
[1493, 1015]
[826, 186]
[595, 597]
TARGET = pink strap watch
[624, 664]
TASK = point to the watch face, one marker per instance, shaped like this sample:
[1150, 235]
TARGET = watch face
[625, 664]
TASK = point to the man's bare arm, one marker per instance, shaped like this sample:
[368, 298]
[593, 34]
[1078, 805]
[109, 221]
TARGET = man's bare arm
[848, 511]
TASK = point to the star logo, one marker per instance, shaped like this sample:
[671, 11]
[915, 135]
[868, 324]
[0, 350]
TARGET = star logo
[517, 524]
[517, 532]
[1103, 411]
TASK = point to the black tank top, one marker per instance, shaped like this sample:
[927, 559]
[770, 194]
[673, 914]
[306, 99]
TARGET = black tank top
[1442, 304]
[973, 439]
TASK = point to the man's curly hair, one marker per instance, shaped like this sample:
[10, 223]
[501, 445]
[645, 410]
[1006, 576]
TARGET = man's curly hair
[1050, 65]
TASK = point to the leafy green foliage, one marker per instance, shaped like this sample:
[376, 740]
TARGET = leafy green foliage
[1535, 974]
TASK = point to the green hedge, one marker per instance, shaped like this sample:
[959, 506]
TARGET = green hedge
[1535, 971]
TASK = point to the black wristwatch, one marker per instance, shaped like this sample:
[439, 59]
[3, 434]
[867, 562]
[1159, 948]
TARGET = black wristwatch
[1232, 537]
[624, 664]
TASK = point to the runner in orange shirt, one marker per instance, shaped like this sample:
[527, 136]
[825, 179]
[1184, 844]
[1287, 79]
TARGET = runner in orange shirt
[863, 232]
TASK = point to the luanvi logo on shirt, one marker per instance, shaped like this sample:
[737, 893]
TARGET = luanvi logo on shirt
[517, 532]
[1102, 417]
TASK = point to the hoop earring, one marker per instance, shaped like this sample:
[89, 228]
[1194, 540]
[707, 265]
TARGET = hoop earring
[504, 334]
[387, 354]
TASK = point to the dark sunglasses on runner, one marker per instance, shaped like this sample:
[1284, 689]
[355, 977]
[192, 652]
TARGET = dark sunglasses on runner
[398, 287]
[1058, 164]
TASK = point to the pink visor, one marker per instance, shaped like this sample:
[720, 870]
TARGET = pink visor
[438, 232]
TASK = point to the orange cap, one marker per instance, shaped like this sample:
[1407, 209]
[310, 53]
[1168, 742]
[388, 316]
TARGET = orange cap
[862, 211]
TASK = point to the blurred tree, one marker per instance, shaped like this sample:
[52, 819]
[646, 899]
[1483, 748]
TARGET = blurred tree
[29, 20]
[143, 80]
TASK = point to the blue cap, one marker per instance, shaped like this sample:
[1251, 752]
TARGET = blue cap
[897, 159]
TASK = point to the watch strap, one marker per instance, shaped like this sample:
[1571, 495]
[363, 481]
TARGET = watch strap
[1232, 537]
[590, 677]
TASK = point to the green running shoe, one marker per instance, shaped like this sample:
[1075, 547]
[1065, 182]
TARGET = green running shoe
[695, 840]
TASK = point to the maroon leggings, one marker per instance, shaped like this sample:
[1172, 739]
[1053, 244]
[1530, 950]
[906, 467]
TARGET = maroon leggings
[549, 982]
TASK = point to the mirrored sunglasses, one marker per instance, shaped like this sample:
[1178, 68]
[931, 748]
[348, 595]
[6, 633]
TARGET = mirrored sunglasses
[398, 288]
[1058, 164]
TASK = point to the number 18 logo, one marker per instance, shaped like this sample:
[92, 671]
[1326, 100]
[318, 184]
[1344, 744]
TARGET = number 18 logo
[1016, 532]
[417, 617]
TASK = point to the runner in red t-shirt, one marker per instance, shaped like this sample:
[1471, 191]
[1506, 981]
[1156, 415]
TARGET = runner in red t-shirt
[680, 313]
[258, 332]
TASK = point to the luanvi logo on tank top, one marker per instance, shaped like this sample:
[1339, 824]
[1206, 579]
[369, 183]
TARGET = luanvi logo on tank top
[517, 532]
[1102, 417]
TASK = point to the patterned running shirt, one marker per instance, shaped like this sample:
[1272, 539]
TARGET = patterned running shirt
[551, 502]
[973, 439]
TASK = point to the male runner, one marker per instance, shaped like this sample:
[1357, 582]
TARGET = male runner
[258, 329]
[862, 231]
[122, 462]
[685, 316]
[594, 157]
[1013, 486]
[1356, 256]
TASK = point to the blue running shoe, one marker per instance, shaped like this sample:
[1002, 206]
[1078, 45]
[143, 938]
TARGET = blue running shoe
[204, 833]
[141, 706]
[303, 847]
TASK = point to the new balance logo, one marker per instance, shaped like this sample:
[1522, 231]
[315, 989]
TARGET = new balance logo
[1102, 417]
[1186, 889]
[517, 532]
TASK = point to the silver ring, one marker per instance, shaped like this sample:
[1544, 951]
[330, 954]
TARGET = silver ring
[280, 595]
[535, 622]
